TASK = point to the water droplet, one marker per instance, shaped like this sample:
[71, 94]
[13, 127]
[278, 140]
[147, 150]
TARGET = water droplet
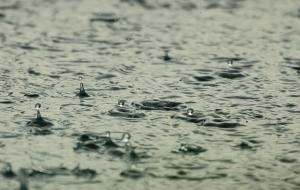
[107, 134]
[183, 147]
[166, 57]
[39, 121]
[126, 137]
[82, 92]
[108, 142]
[121, 103]
[190, 112]
[38, 106]
[38, 113]
[130, 150]
[81, 84]
[191, 149]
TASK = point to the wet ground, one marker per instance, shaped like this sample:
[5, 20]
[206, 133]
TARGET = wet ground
[236, 63]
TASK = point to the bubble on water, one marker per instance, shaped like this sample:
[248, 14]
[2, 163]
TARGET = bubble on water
[121, 103]
[190, 112]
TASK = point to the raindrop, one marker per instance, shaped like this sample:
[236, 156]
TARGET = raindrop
[107, 134]
[183, 147]
[39, 121]
[126, 111]
[82, 92]
[133, 171]
[190, 112]
[38, 113]
[230, 62]
[38, 106]
[108, 142]
[130, 150]
[166, 57]
[126, 138]
[121, 103]
[191, 149]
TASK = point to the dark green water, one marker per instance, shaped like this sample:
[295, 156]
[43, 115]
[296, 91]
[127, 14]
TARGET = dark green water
[244, 133]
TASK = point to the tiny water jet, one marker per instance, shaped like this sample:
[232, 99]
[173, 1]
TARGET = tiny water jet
[130, 153]
[39, 121]
[166, 57]
[82, 93]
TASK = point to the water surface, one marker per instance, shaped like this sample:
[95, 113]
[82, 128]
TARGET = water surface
[235, 62]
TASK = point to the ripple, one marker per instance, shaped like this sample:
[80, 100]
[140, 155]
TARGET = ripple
[245, 145]
[48, 172]
[32, 95]
[39, 122]
[231, 74]
[94, 142]
[190, 149]
[33, 72]
[125, 111]
[43, 131]
[143, 3]
[7, 171]
[286, 159]
[158, 105]
[204, 78]
[195, 117]
[244, 83]
[222, 124]
[86, 173]
[105, 76]
[131, 173]
[191, 178]
[14, 5]
[104, 17]
[125, 114]
[6, 102]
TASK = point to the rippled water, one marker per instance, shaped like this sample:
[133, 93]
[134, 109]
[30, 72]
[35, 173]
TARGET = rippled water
[236, 63]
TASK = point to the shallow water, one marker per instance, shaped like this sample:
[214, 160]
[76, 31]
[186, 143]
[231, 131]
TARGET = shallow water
[245, 132]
